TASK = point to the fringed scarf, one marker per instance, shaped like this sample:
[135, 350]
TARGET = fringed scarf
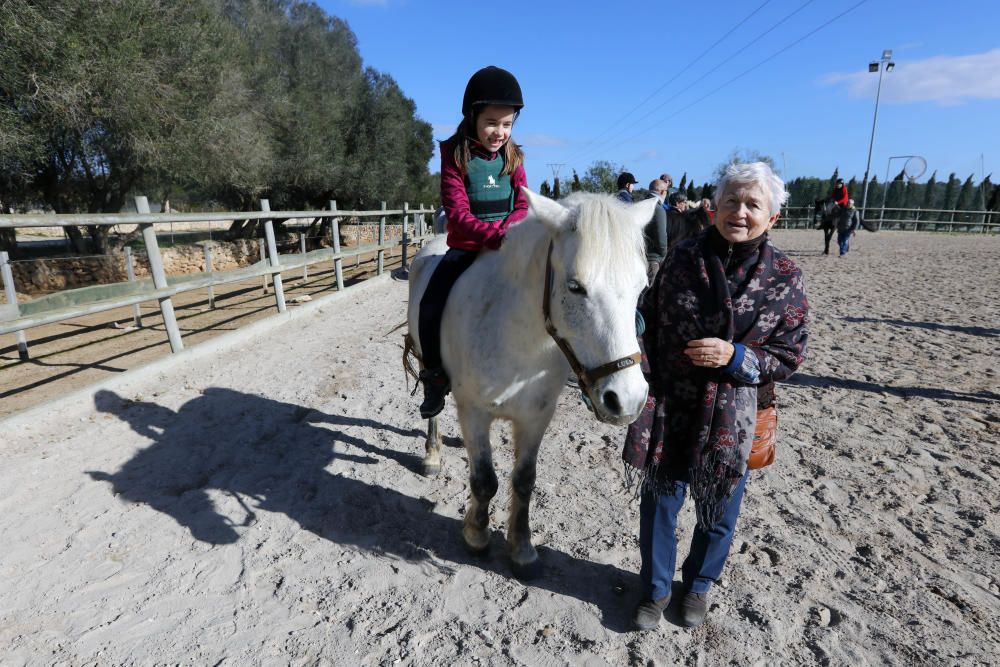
[698, 423]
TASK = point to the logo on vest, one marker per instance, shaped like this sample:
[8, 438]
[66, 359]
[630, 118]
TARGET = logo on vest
[491, 182]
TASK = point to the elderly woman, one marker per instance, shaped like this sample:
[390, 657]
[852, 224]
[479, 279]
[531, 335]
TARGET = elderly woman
[727, 318]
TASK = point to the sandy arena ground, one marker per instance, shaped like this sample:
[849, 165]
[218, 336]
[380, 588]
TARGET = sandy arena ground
[263, 505]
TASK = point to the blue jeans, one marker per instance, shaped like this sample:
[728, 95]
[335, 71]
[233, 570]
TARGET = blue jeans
[843, 240]
[658, 543]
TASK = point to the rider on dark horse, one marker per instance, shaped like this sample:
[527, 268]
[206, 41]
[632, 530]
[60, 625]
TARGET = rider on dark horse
[841, 198]
[839, 195]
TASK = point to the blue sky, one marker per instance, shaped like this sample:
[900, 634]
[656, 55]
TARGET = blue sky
[677, 86]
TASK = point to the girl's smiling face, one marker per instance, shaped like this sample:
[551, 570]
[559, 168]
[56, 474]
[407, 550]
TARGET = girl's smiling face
[744, 213]
[493, 126]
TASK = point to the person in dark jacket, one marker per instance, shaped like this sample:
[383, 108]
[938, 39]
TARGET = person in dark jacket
[847, 225]
[655, 233]
[726, 318]
[625, 183]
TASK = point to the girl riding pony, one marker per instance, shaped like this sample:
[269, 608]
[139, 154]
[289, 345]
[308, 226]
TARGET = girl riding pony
[481, 177]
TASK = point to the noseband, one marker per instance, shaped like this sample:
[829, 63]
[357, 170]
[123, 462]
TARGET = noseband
[587, 378]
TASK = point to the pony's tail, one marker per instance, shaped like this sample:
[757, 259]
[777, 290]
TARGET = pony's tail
[409, 357]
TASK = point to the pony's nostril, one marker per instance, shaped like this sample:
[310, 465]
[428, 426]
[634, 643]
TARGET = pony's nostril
[612, 403]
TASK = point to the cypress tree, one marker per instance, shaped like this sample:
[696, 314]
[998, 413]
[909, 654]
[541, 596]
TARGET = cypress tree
[894, 196]
[993, 203]
[833, 179]
[930, 196]
[964, 200]
[948, 199]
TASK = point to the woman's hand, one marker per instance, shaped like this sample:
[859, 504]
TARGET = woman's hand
[710, 352]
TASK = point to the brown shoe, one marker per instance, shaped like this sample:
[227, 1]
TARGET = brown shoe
[694, 608]
[647, 615]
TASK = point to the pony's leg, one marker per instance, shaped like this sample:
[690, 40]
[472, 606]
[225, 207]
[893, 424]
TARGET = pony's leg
[432, 449]
[523, 557]
[482, 478]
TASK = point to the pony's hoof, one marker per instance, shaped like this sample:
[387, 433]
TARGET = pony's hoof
[527, 571]
[432, 469]
[482, 552]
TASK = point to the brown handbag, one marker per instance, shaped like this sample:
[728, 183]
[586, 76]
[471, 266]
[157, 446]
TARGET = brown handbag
[762, 451]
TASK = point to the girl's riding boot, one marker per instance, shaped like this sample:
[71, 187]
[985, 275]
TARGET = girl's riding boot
[436, 387]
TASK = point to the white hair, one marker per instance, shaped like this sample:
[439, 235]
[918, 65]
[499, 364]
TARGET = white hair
[751, 174]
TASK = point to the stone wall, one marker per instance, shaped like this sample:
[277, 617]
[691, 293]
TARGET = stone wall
[45, 275]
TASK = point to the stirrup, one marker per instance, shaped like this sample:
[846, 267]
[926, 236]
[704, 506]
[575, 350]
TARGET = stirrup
[436, 388]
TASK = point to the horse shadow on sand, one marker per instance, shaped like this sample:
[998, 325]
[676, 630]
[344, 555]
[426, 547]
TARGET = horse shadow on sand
[272, 456]
[934, 326]
[821, 382]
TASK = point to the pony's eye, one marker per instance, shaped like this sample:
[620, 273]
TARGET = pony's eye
[575, 287]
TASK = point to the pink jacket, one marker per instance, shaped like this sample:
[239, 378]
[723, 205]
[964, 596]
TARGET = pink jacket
[466, 231]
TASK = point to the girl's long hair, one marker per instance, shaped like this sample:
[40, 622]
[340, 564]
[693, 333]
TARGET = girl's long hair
[513, 156]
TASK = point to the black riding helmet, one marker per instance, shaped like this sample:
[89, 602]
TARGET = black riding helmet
[492, 85]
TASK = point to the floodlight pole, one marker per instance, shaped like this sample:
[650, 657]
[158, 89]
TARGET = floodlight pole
[882, 64]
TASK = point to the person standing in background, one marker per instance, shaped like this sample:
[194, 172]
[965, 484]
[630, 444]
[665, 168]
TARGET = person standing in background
[625, 183]
[655, 232]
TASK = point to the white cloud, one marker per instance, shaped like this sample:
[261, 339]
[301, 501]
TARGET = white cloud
[946, 80]
[647, 155]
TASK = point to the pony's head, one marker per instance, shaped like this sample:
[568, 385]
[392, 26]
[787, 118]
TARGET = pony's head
[598, 270]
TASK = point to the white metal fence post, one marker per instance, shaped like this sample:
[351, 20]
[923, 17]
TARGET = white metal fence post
[272, 252]
[209, 270]
[406, 232]
[381, 240]
[11, 292]
[262, 251]
[130, 272]
[338, 264]
[159, 276]
[302, 251]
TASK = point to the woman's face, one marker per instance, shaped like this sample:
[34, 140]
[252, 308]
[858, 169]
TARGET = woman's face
[493, 126]
[744, 213]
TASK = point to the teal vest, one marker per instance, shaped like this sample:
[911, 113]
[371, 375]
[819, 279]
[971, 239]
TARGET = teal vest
[490, 195]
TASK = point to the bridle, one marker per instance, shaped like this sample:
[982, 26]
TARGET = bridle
[586, 377]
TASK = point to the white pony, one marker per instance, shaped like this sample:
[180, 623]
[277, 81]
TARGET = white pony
[562, 288]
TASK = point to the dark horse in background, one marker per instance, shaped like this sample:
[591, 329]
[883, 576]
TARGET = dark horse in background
[827, 215]
[687, 224]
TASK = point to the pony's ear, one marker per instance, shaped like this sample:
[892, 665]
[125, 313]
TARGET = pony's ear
[642, 212]
[549, 211]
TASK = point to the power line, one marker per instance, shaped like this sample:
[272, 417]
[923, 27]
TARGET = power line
[752, 68]
[675, 76]
[753, 41]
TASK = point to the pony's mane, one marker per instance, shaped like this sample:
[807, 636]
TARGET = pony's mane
[609, 242]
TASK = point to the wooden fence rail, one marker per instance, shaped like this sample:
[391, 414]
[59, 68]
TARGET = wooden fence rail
[69, 304]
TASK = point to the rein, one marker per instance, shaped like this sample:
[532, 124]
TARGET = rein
[586, 377]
